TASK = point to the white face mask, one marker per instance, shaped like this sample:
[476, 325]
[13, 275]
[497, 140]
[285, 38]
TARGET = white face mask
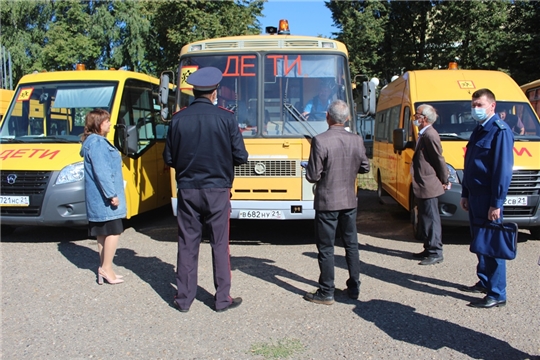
[416, 122]
[215, 101]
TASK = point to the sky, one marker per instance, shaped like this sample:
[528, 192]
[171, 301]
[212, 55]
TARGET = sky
[306, 17]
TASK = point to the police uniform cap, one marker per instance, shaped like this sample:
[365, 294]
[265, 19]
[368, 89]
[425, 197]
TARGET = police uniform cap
[205, 79]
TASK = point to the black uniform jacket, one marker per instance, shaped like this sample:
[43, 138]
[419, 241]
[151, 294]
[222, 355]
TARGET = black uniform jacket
[203, 145]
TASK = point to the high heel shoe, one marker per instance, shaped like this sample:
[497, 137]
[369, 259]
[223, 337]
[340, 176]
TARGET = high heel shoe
[117, 276]
[102, 275]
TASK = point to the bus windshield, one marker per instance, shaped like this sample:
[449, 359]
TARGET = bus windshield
[454, 119]
[54, 111]
[274, 94]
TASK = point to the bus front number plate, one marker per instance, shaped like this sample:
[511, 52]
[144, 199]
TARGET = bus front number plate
[14, 200]
[515, 201]
[260, 214]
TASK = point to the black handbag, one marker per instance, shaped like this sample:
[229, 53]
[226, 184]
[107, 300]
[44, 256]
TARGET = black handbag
[496, 240]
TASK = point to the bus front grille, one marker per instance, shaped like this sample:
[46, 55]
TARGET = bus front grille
[267, 168]
[524, 183]
[24, 183]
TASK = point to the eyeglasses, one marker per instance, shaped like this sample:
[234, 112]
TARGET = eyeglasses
[417, 115]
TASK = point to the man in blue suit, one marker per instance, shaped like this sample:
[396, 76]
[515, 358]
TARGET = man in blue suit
[486, 177]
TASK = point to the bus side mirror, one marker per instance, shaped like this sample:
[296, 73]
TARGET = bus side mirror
[164, 96]
[399, 140]
[368, 98]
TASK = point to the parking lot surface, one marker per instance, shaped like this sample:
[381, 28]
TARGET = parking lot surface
[52, 306]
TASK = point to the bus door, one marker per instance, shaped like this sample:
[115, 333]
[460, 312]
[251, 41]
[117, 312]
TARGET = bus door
[404, 161]
[148, 183]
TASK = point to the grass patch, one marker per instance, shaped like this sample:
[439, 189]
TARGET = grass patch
[277, 350]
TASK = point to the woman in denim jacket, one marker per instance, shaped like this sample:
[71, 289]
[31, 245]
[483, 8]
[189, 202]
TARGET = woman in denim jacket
[104, 190]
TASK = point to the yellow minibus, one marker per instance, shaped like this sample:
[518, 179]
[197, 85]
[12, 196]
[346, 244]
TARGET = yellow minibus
[532, 92]
[41, 170]
[449, 92]
[5, 98]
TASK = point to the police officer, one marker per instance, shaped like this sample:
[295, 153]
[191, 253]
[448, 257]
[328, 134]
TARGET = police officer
[486, 177]
[203, 146]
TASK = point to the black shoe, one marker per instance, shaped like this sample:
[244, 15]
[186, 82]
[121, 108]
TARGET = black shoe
[234, 304]
[421, 255]
[317, 298]
[487, 303]
[431, 260]
[178, 307]
[353, 293]
[476, 288]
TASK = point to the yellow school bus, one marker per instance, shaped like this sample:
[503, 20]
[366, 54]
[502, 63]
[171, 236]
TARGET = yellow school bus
[449, 92]
[268, 81]
[5, 98]
[532, 92]
[41, 169]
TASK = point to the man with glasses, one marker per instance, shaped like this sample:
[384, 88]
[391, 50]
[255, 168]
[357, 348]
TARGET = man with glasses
[430, 180]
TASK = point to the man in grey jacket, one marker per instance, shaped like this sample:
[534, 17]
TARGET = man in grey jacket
[430, 178]
[336, 157]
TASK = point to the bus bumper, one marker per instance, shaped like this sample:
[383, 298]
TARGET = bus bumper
[272, 210]
[61, 205]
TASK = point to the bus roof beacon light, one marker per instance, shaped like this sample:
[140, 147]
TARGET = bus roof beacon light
[284, 27]
[452, 65]
[80, 67]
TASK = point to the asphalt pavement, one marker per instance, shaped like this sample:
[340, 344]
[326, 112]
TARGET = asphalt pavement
[52, 306]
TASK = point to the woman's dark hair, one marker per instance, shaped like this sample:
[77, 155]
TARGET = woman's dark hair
[93, 122]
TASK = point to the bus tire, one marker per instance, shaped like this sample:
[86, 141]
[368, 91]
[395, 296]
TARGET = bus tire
[380, 191]
[415, 221]
[535, 232]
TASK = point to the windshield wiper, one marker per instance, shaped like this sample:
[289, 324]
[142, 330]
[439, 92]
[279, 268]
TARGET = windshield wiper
[11, 140]
[452, 135]
[297, 115]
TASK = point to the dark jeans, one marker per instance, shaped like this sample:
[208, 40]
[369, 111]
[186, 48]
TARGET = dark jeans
[327, 224]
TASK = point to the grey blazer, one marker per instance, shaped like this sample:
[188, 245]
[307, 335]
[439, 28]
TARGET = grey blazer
[429, 167]
[336, 157]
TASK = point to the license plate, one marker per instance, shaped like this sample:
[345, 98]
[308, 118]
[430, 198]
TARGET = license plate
[14, 200]
[515, 201]
[260, 214]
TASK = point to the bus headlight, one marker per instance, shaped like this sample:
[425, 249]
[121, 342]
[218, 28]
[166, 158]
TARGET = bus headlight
[452, 177]
[71, 173]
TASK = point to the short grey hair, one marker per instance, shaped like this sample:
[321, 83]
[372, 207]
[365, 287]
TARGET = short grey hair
[429, 112]
[338, 112]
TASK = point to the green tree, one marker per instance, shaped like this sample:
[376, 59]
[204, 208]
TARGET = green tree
[23, 29]
[176, 23]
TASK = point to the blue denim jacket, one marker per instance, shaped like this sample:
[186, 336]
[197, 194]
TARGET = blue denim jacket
[102, 179]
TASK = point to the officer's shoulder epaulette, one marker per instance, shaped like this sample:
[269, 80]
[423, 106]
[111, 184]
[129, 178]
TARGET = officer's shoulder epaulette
[500, 124]
[180, 110]
[221, 107]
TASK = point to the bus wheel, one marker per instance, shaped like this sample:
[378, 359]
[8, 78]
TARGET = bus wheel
[380, 191]
[7, 229]
[415, 222]
[535, 232]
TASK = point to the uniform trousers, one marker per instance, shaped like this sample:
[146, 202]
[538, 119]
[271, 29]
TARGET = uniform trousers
[197, 207]
[430, 225]
[490, 271]
[327, 224]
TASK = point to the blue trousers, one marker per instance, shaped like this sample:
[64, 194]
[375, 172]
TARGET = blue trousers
[491, 272]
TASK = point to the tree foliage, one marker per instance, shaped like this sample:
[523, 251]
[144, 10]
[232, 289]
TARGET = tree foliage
[140, 35]
[389, 37]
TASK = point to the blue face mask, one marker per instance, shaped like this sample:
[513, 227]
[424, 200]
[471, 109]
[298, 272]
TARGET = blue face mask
[478, 114]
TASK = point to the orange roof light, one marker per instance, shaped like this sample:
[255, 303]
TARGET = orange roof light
[80, 67]
[452, 65]
[283, 27]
